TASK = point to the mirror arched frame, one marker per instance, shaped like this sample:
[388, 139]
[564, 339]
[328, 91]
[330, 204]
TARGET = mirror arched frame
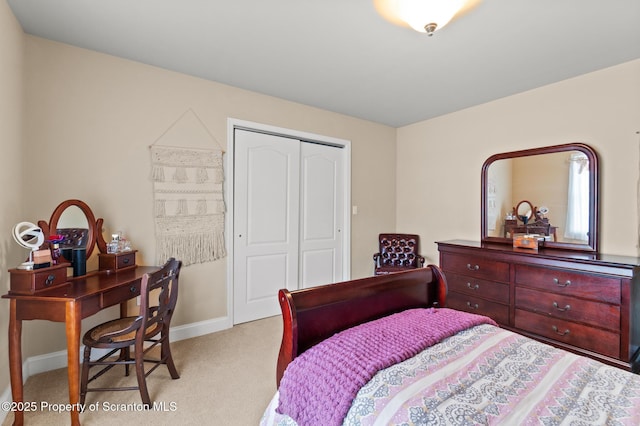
[591, 244]
[94, 228]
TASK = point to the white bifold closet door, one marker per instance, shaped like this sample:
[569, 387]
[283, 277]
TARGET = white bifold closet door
[288, 219]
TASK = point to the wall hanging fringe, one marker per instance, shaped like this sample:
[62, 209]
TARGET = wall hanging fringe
[189, 208]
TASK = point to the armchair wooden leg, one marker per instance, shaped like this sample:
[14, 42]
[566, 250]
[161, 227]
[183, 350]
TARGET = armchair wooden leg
[166, 355]
[142, 379]
[84, 378]
[125, 355]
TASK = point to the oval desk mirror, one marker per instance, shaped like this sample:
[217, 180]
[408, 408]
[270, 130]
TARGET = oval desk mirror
[75, 220]
[560, 184]
[524, 211]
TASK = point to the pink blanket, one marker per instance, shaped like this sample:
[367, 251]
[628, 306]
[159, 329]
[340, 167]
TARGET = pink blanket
[319, 386]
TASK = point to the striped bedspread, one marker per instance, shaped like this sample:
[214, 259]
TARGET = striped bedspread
[340, 365]
[489, 376]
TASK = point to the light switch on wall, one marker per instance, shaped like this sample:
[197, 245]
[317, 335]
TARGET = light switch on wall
[354, 209]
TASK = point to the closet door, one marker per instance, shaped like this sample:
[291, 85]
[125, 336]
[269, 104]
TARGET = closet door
[321, 214]
[288, 221]
[266, 203]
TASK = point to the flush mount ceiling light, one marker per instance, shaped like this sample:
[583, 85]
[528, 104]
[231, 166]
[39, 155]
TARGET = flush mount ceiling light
[425, 16]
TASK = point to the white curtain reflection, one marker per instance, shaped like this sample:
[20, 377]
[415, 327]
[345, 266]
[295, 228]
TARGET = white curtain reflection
[577, 225]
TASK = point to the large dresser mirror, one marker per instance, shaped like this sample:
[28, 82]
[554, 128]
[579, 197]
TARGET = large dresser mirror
[551, 192]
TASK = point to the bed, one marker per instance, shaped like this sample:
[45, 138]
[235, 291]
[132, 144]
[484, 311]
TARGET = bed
[386, 350]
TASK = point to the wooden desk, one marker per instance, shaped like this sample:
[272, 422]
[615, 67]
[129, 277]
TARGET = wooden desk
[511, 227]
[69, 303]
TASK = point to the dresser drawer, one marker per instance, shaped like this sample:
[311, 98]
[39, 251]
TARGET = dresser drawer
[477, 267]
[116, 261]
[569, 308]
[477, 305]
[477, 287]
[569, 283]
[120, 294]
[33, 281]
[582, 336]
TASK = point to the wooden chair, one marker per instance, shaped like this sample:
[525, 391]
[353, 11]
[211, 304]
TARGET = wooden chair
[397, 252]
[152, 325]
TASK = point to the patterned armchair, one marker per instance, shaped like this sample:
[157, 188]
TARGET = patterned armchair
[398, 252]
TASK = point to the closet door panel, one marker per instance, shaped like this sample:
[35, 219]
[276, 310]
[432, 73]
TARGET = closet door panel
[267, 174]
[321, 214]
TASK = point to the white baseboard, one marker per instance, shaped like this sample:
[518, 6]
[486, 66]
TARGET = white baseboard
[54, 360]
[195, 329]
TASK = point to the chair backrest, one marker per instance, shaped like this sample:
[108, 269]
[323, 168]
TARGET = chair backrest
[161, 287]
[399, 250]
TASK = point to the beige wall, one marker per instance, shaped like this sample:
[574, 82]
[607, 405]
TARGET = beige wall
[438, 192]
[11, 114]
[91, 118]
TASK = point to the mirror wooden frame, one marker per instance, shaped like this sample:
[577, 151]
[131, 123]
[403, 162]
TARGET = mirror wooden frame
[594, 200]
[93, 226]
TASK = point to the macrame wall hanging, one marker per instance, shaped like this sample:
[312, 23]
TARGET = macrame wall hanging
[188, 202]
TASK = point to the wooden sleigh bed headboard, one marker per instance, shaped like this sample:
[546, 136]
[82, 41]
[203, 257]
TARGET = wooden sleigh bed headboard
[314, 314]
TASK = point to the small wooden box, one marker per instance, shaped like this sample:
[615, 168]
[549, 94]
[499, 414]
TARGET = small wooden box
[529, 241]
[30, 282]
[117, 261]
[42, 256]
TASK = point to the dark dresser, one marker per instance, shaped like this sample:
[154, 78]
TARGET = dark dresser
[586, 303]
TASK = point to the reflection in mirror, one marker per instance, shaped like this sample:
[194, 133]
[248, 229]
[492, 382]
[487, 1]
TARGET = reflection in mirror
[72, 217]
[577, 224]
[74, 227]
[560, 186]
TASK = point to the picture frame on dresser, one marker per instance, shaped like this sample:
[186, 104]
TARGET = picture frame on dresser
[565, 293]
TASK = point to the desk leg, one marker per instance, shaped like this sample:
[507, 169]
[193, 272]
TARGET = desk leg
[15, 360]
[73, 324]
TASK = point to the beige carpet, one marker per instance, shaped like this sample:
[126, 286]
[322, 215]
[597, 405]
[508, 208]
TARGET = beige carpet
[226, 378]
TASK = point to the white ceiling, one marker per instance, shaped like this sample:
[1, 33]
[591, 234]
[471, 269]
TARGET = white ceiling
[342, 56]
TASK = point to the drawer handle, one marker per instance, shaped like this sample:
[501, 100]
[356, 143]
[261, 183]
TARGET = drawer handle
[473, 287]
[561, 333]
[472, 268]
[474, 306]
[566, 308]
[567, 283]
[49, 280]
[132, 289]
[125, 260]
